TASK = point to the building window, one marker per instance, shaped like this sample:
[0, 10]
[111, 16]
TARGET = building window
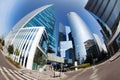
[44, 43]
[39, 60]
[118, 41]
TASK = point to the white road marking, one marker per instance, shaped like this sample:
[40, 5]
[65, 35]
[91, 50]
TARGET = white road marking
[21, 75]
[73, 77]
[3, 74]
[94, 76]
[9, 73]
[15, 74]
[28, 76]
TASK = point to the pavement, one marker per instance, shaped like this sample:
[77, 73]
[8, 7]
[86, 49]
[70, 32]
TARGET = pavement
[4, 62]
[9, 72]
[108, 70]
[114, 57]
[45, 75]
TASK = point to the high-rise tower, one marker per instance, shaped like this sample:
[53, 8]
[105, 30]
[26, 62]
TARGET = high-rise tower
[34, 36]
[80, 34]
[107, 13]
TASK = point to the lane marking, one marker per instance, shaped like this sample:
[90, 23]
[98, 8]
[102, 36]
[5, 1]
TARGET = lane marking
[21, 75]
[3, 74]
[16, 75]
[94, 75]
[9, 73]
[73, 77]
[27, 76]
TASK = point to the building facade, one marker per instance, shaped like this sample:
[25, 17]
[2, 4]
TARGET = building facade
[62, 32]
[65, 45]
[80, 34]
[92, 50]
[61, 37]
[98, 41]
[107, 13]
[34, 36]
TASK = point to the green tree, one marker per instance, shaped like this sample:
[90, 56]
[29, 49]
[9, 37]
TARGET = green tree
[16, 53]
[10, 49]
[3, 42]
[1, 46]
[0, 40]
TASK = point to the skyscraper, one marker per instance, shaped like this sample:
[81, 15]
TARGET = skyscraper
[98, 41]
[107, 13]
[80, 34]
[34, 36]
[92, 51]
[65, 44]
[62, 32]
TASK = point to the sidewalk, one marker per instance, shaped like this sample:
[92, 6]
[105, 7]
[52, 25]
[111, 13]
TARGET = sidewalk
[115, 56]
[45, 75]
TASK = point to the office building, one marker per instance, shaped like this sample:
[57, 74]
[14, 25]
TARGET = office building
[65, 44]
[107, 13]
[98, 41]
[92, 50]
[62, 32]
[34, 37]
[80, 34]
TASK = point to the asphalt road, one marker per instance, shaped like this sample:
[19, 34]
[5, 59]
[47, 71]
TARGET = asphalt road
[104, 71]
[8, 72]
[4, 62]
[109, 70]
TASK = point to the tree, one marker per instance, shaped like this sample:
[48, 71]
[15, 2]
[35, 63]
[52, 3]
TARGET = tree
[3, 42]
[0, 40]
[10, 49]
[1, 46]
[16, 53]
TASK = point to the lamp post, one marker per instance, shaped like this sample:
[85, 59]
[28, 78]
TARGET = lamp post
[79, 58]
[77, 61]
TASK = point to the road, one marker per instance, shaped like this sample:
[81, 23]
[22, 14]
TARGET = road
[108, 70]
[8, 72]
[4, 62]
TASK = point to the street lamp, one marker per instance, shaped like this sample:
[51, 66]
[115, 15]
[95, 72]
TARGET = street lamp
[78, 58]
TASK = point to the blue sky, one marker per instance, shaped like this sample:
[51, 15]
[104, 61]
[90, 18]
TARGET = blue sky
[11, 11]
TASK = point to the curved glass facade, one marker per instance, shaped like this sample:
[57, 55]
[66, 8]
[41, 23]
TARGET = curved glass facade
[45, 18]
[34, 31]
[80, 34]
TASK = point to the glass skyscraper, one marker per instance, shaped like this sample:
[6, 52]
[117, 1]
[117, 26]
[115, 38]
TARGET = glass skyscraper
[34, 36]
[80, 34]
[65, 44]
[107, 13]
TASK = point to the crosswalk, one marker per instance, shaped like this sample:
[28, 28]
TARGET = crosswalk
[9, 74]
